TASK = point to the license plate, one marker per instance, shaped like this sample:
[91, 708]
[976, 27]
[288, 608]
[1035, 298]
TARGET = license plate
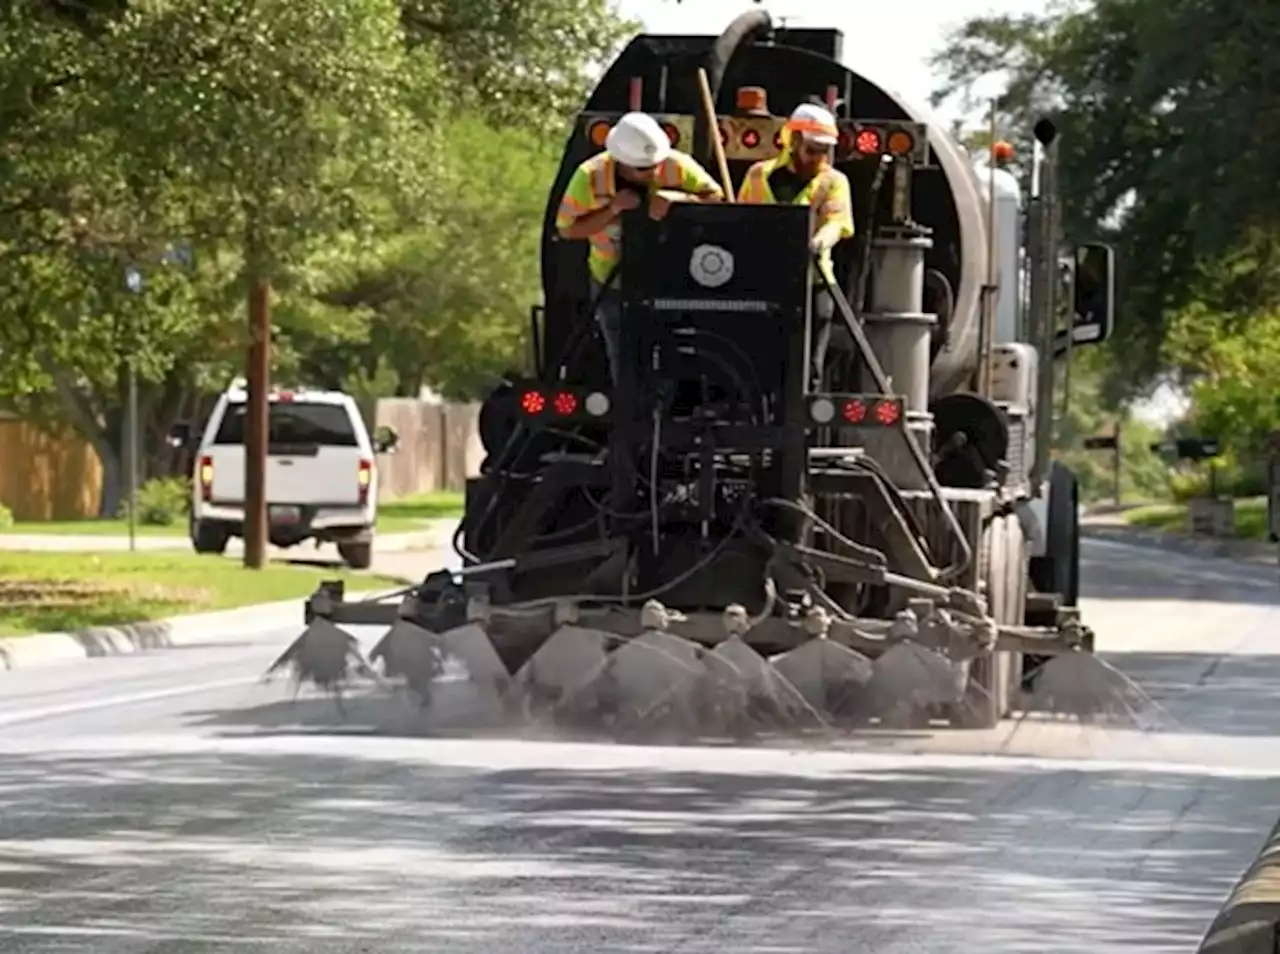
[285, 514]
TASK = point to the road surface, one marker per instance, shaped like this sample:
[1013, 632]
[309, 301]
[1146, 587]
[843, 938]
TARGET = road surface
[171, 804]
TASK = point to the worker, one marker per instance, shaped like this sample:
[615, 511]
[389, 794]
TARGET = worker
[638, 166]
[802, 174]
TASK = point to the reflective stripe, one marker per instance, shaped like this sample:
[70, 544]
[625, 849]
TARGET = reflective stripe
[602, 181]
[605, 247]
[812, 126]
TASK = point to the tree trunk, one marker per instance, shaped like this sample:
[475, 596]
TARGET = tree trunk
[113, 489]
[79, 412]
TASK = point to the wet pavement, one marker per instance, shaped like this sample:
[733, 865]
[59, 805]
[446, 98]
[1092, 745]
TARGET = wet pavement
[169, 802]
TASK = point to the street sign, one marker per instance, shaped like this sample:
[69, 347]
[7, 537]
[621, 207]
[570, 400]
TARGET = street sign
[1104, 442]
[177, 253]
[1190, 448]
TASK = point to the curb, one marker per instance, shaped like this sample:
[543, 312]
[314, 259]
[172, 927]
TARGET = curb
[1239, 551]
[1250, 917]
[46, 649]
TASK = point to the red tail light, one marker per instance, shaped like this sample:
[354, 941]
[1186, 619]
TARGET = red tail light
[205, 478]
[364, 478]
[854, 410]
[533, 403]
[868, 142]
[888, 413]
[565, 403]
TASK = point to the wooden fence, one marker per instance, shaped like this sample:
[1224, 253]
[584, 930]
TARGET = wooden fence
[48, 475]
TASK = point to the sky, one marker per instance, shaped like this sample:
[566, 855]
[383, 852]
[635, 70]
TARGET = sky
[890, 42]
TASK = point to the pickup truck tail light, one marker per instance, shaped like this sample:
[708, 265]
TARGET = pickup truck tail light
[364, 477]
[205, 477]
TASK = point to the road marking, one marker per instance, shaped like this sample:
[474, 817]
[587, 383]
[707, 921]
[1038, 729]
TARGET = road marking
[74, 708]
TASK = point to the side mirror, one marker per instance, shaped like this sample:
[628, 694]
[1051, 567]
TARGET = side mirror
[385, 439]
[180, 435]
[1093, 302]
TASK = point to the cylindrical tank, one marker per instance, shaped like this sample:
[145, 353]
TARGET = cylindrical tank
[793, 68]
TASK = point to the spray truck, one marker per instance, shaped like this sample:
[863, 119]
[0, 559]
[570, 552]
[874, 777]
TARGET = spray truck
[716, 538]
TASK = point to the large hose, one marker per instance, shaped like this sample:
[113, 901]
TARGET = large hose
[744, 28]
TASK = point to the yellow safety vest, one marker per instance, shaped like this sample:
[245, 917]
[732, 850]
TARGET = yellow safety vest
[827, 194]
[593, 186]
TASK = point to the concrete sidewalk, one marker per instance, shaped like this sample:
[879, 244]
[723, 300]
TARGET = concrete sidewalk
[433, 535]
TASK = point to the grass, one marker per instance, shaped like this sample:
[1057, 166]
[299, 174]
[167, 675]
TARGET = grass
[395, 516]
[1250, 514]
[57, 592]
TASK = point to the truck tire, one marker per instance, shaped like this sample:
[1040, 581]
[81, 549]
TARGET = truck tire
[993, 678]
[209, 537]
[358, 556]
[1058, 571]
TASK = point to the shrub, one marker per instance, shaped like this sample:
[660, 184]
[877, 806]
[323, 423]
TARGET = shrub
[6, 517]
[162, 502]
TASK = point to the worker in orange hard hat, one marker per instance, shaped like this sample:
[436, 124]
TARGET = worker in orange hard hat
[638, 166]
[802, 173]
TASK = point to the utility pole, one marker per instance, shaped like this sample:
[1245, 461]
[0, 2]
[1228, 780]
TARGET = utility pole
[258, 375]
[133, 281]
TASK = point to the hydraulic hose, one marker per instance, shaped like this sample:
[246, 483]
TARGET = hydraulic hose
[743, 29]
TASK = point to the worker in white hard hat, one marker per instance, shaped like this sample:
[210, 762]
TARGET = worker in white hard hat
[802, 173]
[638, 166]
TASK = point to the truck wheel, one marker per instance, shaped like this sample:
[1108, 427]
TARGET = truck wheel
[1058, 571]
[993, 678]
[358, 556]
[209, 537]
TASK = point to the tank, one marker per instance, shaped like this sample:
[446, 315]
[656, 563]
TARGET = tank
[657, 74]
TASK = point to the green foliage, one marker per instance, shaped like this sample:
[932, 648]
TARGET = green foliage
[6, 517]
[1088, 413]
[385, 164]
[527, 64]
[162, 502]
[1165, 108]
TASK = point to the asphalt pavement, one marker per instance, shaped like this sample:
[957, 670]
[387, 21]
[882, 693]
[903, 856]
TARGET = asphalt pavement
[168, 802]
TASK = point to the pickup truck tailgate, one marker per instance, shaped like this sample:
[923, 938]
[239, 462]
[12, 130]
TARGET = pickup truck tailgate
[313, 456]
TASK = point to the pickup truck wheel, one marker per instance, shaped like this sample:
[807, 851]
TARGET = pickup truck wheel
[358, 556]
[209, 537]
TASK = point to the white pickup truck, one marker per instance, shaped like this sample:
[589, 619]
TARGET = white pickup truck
[322, 474]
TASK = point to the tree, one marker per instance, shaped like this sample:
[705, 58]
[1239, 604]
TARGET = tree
[1167, 120]
[1229, 363]
[320, 145]
[525, 63]
[449, 301]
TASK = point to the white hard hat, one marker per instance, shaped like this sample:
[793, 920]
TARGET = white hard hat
[815, 123]
[637, 140]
